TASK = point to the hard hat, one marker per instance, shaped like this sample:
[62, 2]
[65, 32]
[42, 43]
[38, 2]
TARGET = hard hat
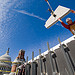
[68, 19]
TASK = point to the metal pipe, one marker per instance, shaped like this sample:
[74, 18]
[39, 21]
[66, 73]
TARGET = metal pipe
[40, 62]
[44, 60]
[33, 66]
[67, 49]
[51, 61]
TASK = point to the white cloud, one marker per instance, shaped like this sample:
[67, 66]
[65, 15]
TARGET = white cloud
[30, 14]
[5, 33]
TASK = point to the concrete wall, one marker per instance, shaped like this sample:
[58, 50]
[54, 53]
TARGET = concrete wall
[60, 60]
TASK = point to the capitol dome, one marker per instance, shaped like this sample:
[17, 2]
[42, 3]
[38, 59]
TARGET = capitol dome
[5, 57]
[5, 63]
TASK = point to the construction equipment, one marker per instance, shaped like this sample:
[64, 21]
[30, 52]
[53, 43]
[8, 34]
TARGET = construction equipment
[60, 12]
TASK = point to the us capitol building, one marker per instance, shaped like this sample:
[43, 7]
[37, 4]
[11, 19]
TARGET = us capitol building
[5, 63]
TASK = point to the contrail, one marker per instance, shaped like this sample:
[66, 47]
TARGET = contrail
[30, 14]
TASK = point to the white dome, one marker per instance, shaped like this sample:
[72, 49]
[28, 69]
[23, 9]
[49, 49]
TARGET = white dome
[5, 57]
[5, 60]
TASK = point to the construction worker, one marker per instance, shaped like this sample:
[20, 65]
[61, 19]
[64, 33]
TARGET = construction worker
[71, 25]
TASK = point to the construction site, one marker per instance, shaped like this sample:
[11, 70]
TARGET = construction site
[37, 48]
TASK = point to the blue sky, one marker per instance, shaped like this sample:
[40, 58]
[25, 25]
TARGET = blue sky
[22, 26]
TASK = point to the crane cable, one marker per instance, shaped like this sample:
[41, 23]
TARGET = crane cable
[49, 4]
[52, 12]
